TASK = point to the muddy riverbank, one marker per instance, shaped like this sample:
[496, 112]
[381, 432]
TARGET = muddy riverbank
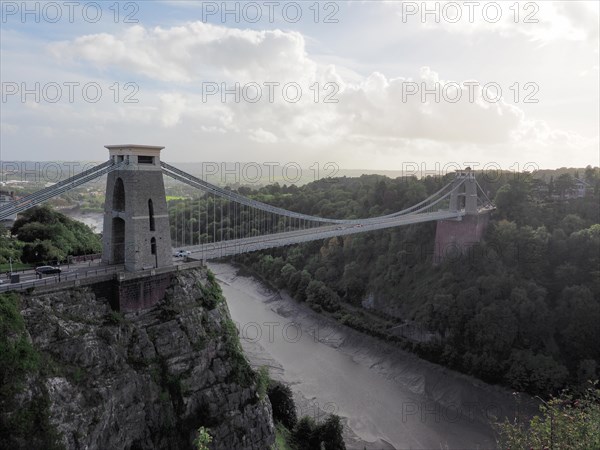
[388, 398]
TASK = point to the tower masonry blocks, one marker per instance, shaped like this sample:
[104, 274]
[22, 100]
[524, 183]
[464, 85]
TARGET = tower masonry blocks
[455, 237]
[136, 221]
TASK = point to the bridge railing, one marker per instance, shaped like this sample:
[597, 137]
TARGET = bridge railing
[60, 278]
[67, 278]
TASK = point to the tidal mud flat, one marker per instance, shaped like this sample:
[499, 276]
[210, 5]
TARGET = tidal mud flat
[388, 398]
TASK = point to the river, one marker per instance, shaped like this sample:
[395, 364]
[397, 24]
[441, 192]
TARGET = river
[388, 398]
[93, 220]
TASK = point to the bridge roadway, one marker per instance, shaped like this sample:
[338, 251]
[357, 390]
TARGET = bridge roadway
[81, 271]
[236, 246]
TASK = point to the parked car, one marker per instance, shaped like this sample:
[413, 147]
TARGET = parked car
[47, 270]
[182, 253]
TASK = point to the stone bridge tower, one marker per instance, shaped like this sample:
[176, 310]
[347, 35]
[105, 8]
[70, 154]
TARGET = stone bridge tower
[465, 197]
[454, 237]
[136, 221]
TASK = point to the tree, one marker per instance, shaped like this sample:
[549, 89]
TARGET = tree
[52, 236]
[10, 249]
[305, 279]
[305, 435]
[571, 223]
[562, 423]
[353, 281]
[317, 293]
[511, 200]
[308, 435]
[535, 373]
[282, 401]
[42, 251]
[578, 323]
[564, 183]
[330, 433]
[286, 272]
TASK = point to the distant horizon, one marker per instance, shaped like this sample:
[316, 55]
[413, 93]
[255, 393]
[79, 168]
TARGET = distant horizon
[261, 174]
[595, 165]
[490, 164]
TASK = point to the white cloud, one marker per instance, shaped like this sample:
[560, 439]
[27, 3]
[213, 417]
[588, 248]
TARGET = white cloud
[373, 124]
[172, 107]
[262, 136]
[9, 127]
[195, 51]
[375, 107]
[539, 21]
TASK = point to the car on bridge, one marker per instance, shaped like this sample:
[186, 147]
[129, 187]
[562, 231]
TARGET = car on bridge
[47, 270]
[182, 253]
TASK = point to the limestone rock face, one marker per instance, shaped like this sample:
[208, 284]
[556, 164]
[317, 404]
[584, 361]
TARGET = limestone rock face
[144, 380]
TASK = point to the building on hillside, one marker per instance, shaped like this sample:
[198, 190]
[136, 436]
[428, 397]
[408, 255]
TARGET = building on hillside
[581, 188]
[578, 189]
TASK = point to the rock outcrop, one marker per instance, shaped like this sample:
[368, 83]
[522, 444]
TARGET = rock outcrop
[145, 380]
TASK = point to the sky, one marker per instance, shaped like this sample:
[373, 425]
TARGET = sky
[370, 85]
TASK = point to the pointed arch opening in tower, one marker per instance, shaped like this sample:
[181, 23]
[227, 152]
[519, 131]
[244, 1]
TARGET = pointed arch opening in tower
[119, 195]
[118, 237]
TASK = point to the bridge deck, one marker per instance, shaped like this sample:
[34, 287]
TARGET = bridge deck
[244, 245]
[84, 277]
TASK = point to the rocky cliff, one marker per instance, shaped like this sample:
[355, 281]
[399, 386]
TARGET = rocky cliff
[77, 375]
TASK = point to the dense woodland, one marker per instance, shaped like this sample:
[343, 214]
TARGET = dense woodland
[521, 309]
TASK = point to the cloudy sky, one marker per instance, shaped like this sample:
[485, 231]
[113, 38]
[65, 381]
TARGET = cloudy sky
[365, 84]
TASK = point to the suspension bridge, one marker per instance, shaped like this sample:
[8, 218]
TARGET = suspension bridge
[140, 232]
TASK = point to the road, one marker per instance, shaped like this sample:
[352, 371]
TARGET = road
[75, 271]
[83, 269]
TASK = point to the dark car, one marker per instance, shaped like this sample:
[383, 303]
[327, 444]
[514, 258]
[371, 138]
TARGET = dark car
[47, 270]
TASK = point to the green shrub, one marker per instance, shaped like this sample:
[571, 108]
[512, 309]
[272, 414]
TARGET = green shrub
[308, 435]
[242, 372]
[17, 355]
[18, 358]
[262, 382]
[282, 401]
[563, 423]
[203, 439]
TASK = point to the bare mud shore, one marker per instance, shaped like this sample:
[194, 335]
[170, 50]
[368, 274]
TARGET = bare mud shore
[388, 398]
